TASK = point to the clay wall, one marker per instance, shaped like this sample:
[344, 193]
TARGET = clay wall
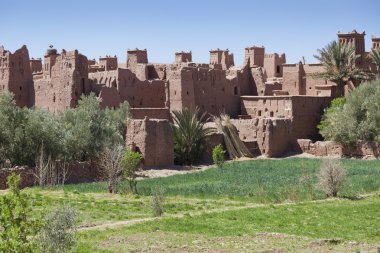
[222, 58]
[304, 111]
[254, 56]
[157, 71]
[135, 57]
[310, 81]
[109, 97]
[272, 135]
[375, 43]
[139, 94]
[152, 113]
[153, 138]
[16, 75]
[259, 79]
[267, 106]
[358, 42]
[242, 81]
[273, 64]
[293, 79]
[327, 90]
[209, 89]
[329, 148]
[65, 79]
[181, 88]
[270, 87]
[307, 112]
[108, 63]
[36, 65]
[181, 57]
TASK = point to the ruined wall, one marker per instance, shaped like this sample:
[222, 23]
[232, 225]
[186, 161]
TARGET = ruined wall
[259, 79]
[65, 79]
[330, 148]
[139, 94]
[16, 75]
[304, 111]
[153, 138]
[273, 135]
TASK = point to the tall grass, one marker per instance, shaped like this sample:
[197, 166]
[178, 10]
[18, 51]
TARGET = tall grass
[258, 180]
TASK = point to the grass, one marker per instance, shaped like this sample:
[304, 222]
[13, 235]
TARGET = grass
[341, 221]
[216, 210]
[257, 180]
[97, 208]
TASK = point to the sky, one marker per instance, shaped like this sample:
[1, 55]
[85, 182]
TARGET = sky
[109, 27]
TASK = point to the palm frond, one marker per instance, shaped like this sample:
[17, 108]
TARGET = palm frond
[339, 61]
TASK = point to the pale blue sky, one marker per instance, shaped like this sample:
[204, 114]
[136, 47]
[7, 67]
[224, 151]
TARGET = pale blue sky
[97, 28]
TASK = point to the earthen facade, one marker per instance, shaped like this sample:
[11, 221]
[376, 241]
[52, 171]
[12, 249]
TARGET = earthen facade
[273, 103]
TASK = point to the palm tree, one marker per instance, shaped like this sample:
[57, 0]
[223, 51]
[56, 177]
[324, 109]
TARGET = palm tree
[339, 63]
[375, 56]
[189, 135]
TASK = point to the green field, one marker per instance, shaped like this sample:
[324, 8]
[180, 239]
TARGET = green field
[257, 180]
[246, 206]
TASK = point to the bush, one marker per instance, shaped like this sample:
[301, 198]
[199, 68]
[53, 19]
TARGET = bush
[18, 230]
[158, 200]
[77, 134]
[331, 177]
[358, 118]
[218, 155]
[88, 128]
[58, 235]
[189, 136]
[131, 162]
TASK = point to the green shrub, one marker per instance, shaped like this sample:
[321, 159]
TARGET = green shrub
[218, 155]
[189, 136]
[336, 105]
[356, 119]
[76, 134]
[88, 128]
[58, 234]
[131, 162]
[158, 200]
[17, 229]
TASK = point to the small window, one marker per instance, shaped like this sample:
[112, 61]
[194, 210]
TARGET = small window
[278, 69]
[235, 90]
[271, 114]
[259, 113]
[20, 88]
